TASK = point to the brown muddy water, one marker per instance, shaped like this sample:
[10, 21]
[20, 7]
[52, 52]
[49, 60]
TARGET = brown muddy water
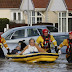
[60, 65]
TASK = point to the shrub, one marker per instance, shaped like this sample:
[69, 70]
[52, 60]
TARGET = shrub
[3, 22]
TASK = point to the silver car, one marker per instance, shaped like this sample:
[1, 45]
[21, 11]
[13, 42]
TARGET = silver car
[23, 33]
[59, 37]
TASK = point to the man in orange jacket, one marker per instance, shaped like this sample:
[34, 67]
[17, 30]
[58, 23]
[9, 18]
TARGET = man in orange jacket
[68, 43]
[2, 41]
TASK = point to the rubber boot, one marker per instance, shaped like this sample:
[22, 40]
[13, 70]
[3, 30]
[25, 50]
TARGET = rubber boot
[2, 53]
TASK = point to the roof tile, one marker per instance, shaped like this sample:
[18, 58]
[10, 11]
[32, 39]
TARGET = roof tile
[41, 3]
[10, 3]
[69, 4]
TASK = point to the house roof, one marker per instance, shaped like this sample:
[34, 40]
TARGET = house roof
[40, 3]
[69, 4]
[10, 3]
[37, 3]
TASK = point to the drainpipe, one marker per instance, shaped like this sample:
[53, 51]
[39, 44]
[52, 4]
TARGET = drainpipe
[28, 12]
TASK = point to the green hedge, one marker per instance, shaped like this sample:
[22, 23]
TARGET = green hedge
[3, 22]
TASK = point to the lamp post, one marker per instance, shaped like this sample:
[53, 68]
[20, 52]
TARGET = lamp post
[27, 6]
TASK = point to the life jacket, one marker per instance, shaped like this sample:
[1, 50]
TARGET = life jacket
[69, 48]
[46, 42]
[0, 42]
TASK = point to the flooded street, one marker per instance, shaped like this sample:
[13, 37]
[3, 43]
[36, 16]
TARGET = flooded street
[60, 65]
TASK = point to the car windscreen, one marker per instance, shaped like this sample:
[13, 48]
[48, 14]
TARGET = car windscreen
[60, 38]
[52, 29]
[6, 33]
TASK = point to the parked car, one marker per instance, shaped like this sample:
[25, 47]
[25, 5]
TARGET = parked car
[23, 33]
[59, 37]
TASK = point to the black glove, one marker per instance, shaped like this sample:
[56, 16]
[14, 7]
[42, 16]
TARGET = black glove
[55, 48]
[8, 51]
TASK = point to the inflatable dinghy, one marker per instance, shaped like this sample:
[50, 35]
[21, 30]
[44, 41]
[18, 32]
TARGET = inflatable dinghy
[34, 57]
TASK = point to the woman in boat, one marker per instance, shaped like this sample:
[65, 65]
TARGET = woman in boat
[32, 48]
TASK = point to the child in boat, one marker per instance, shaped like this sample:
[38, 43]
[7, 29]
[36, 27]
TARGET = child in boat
[32, 48]
[16, 50]
[22, 44]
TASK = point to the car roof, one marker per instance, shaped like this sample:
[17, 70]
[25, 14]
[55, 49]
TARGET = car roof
[17, 28]
[45, 25]
[59, 33]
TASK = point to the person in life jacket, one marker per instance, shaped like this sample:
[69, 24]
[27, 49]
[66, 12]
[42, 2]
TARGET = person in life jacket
[45, 41]
[68, 43]
[2, 41]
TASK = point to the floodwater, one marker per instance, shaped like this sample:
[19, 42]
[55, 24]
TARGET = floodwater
[60, 65]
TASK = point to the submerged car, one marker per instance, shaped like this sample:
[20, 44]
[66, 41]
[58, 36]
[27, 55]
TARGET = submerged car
[23, 33]
[59, 37]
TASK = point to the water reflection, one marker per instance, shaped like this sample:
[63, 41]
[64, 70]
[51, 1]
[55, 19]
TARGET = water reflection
[69, 66]
[7, 66]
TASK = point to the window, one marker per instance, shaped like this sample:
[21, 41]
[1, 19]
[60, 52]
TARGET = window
[14, 16]
[40, 30]
[9, 36]
[52, 29]
[70, 14]
[33, 20]
[19, 34]
[62, 21]
[36, 17]
[60, 24]
[59, 14]
[39, 19]
[19, 16]
[60, 38]
[32, 32]
[63, 24]
[38, 14]
[33, 13]
[63, 14]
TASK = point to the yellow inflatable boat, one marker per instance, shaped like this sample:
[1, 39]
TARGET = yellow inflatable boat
[34, 57]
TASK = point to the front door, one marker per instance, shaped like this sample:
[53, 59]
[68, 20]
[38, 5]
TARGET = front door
[70, 24]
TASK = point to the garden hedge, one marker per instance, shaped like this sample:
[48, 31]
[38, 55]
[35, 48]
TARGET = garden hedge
[3, 22]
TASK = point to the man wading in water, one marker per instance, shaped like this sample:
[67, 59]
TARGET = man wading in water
[45, 41]
[68, 43]
[2, 41]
